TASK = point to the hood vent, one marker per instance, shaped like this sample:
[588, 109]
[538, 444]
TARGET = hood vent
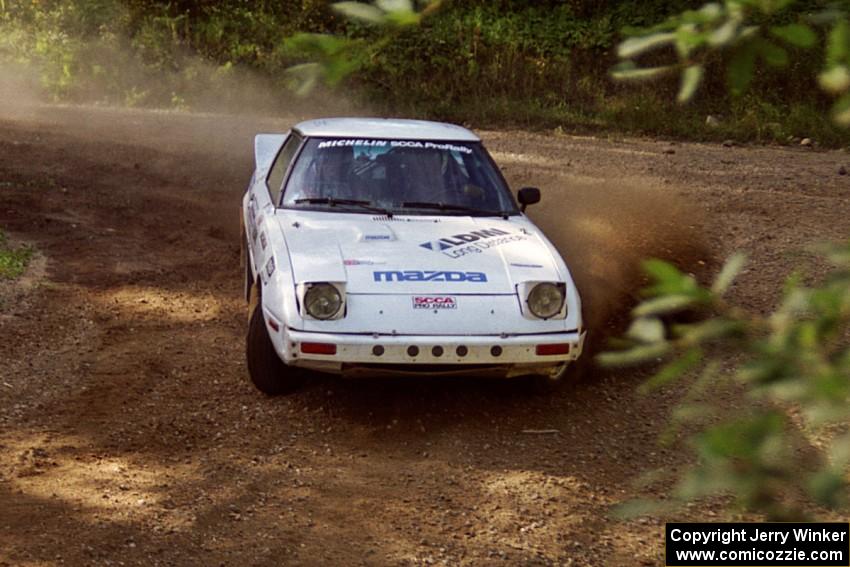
[385, 218]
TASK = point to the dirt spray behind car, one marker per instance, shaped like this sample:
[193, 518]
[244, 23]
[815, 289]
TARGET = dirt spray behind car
[605, 230]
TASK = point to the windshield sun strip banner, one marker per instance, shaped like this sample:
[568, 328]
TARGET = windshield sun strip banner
[354, 142]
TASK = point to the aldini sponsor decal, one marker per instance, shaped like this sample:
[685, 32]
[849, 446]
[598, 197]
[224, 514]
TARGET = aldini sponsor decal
[429, 276]
[473, 242]
[434, 302]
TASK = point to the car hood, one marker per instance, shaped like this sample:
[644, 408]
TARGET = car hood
[416, 254]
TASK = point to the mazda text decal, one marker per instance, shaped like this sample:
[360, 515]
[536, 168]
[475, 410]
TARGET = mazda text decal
[434, 302]
[473, 242]
[429, 276]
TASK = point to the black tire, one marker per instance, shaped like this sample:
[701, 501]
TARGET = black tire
[267, 371]
[540, 384]
[576, 372]
[583, 369]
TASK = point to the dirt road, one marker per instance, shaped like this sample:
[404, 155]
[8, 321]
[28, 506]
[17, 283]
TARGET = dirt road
[129, 434]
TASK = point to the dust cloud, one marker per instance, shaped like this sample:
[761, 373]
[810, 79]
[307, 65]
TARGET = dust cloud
[605, 229]
[200, 139]
[123, 81]
[20, 94]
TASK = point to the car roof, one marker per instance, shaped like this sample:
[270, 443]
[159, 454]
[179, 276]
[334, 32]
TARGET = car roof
[385, 128]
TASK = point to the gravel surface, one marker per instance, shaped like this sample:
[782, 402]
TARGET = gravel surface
[130, 435]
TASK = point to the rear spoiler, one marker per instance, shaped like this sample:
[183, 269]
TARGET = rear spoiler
[266, 147]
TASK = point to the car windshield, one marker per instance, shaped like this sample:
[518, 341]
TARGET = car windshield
[397, 176]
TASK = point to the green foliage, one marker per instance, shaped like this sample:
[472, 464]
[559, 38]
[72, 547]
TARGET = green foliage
[836, 78]
[146, 52]
[331, 59]
[797, 357]
[491, 62]
[523, 63]
[13, 260]
[753, 31]
[384, 12]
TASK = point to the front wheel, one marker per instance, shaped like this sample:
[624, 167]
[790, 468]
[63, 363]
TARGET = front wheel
[267, 371]
[547, 384]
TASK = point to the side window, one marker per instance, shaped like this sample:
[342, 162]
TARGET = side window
[281, 165]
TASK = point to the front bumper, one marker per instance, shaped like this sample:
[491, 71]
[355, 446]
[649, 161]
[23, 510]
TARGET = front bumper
[358, 354]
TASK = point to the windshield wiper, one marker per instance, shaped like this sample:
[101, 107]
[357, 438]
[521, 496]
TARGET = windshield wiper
[450, 207]
[352, 202]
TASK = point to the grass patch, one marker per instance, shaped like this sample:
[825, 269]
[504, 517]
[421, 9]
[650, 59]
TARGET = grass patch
[641, 112]
[13, 260]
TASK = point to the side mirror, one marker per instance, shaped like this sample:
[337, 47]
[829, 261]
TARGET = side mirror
[528, 196]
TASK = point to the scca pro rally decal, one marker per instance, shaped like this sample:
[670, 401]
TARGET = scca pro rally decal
[434, 302]
[429, 276]
[474, 242]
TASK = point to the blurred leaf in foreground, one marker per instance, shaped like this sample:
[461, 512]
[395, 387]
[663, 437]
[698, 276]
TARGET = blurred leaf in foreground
[743, 29]
[794, 361]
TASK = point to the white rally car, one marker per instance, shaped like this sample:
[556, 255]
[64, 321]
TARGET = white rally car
[394, 247]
